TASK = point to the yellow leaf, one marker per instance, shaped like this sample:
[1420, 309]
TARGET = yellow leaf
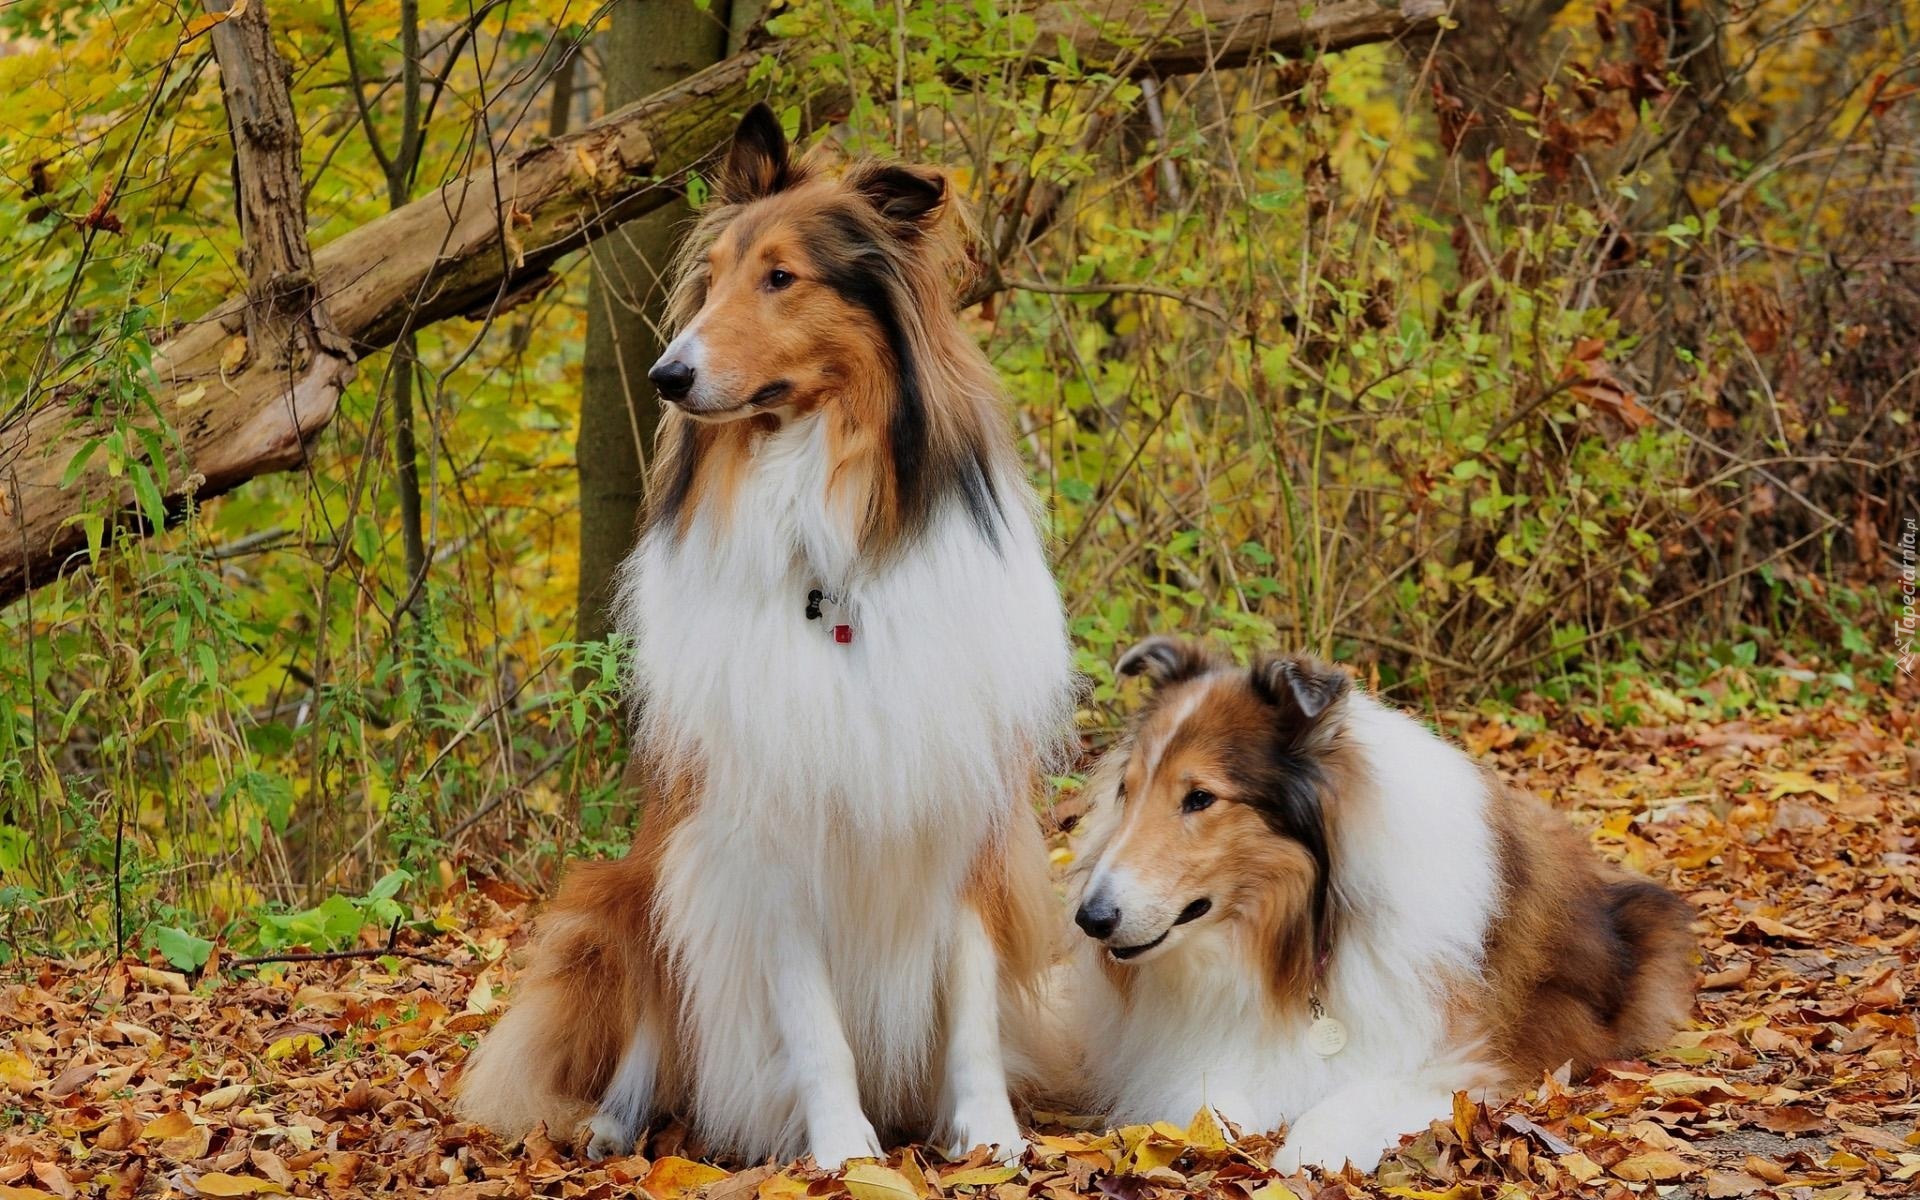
[672, 1178]
[480, 995]
[172, 1125]
[1151, 1147]
[916, 1174]
[781, 1187]
[234, 355]
[223, 1098]
[293, 1045]
[10, 1192]
[1579, 1166]
[1464, 1111]
[194, 1144]
[871, 1181]
[1798, 783]
[1658, 1165]
[219, 1183]
[1078, 1144]
[16, 1072]
[1275, 1190]
[1204, 1132]
[979, 1176]
[1680, 1083]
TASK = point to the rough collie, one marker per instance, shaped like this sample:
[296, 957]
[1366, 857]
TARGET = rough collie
[1306, 909]
[850, 662]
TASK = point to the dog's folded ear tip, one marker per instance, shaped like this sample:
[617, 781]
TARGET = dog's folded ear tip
[1301, 683]
[1163, 659]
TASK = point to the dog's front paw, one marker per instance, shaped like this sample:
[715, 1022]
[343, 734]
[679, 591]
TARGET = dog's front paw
[608, 1137]
[832, 1143]
[1320, 1140]
[988, 1125]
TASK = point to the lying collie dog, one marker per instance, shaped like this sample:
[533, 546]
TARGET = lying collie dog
[1308, 910]
[851, 662]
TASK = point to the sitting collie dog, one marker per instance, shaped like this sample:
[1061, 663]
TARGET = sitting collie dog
[1306, 909]
[851, 666]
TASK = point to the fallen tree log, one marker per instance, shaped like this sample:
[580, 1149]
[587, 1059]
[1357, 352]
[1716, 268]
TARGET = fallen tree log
[479, 243]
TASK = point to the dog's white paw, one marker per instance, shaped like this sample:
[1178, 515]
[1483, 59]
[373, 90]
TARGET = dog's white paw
[986, 1125]
[833, 1142]
[608, 1137]
[1320, 1140]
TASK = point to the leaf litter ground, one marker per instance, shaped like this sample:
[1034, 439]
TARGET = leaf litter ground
[1798, 841]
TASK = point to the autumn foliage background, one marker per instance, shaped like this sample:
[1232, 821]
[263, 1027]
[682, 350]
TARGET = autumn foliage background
[1553, 366]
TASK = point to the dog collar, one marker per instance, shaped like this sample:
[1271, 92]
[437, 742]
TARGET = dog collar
[1325, 1036]
[843, 629]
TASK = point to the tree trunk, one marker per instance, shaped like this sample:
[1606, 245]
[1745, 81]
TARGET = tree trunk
[482, 244]
[651, 44]
[264, 372]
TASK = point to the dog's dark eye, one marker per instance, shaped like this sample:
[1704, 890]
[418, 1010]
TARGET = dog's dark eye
[1196, 800]
[778, 280]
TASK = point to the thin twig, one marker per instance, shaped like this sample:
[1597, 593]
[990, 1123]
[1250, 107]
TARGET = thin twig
[1121, 289]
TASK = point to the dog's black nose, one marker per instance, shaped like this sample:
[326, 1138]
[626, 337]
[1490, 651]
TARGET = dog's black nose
[1097, 917]
[674, 379]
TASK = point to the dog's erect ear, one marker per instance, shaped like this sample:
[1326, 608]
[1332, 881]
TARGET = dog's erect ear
[1303, 689]
[1165, 660]
[909, 199]
[757, 163]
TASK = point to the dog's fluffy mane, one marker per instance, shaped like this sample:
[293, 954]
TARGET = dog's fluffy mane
[899, 248]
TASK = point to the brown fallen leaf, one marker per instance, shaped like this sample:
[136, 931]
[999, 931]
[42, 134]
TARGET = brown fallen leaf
[1653, 1165]
[1739, 972]
[170, 982]
[1764, 1168]
[1722, 1184]
[219, 1183]
[1769, 927]
[71, 1080]
[172, 1125]
[1788, 1119]
[272, 1166]
[120, 1133]
[742, 1185]
[54, 1179]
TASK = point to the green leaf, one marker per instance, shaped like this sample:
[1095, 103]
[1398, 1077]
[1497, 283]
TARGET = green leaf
[181, 949]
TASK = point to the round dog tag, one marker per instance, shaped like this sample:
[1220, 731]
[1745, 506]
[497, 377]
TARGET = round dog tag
[1326, 1037]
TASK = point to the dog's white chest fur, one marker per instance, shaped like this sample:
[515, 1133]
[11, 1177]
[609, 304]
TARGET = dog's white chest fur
[846, 788]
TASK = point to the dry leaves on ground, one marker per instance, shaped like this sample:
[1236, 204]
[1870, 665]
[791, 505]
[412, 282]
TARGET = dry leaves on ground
[1796, 840]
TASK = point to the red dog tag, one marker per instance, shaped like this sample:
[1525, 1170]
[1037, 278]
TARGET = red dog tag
[843, 634]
